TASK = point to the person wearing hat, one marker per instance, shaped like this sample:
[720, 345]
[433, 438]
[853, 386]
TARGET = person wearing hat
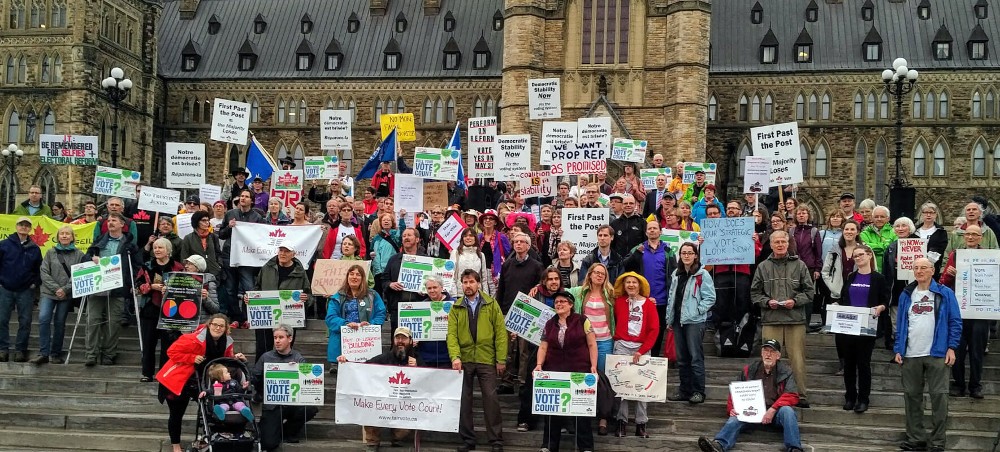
[655, 260]
[209, 285]
[287, 163]
[637, 327]
[203, 243]
[21, 260]
[281, 272]
[240, 176]
[847, 208]
[780, 397]
[471, 219]
[401, 353]
[695, 191]
[260, 195]
[708, 198]
[616, 201]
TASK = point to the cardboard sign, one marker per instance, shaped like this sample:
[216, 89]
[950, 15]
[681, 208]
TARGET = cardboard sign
[181, 306]
[159, 200]
[435, 194]
[648, 176]
[427, 320]
[362, 344]
[579, 158]
[626, 150]
[329, 274]
[210, 193]
[450, 232]
[977, 283]
[748, 400]
[580, 227]
[692, 167]
[287, 185]
[727, 241]
[68, 150]
[544, 100]
[907, 251]
[436, 164]
[185, 165]
[527, 318]
[482, 146]
[294, 384]
[564, 394]
[537, 184]
[414, 271]
[367, 392]
[321, 167]
[230, 121]
[644, 382]
[555, 132]
[90, 278]
[513, 153]
[403, 122]
[115, 182]
[594, 129]
[780, 143]
[267, 308]
[254, 244]
[335, 129]
[756, 174]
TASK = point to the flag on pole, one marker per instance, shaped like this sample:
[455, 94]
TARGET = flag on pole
[386, 152]
[259, 162]
[456, 145]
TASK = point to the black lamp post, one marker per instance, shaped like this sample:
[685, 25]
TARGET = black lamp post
[11, 159]
[117, 87]
[899, 82]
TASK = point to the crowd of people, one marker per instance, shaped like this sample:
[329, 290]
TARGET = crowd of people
[628, 296]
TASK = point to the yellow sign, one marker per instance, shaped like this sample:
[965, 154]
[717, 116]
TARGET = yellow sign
[406, 131]
[44, 229]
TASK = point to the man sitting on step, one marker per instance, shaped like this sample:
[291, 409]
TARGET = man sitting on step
[780, 394]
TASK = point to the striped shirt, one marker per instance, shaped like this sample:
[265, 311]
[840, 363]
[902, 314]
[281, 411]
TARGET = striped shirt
[596, 311]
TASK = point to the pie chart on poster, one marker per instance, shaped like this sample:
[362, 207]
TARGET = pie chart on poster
[169, 308]
[188, 309]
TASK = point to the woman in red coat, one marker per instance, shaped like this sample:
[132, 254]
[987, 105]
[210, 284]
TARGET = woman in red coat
[339, 228]
[636, 328]
[188, 355]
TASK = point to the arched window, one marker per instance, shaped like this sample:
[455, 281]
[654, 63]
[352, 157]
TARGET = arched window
[825, 111]
[196, 109]
[439, 111]
[977, 105]
[859, 108]
[378, 111]
[46, 68]
[744, 108]
[450, 111]
[400, 106]
[768, 108]
[390, 107]
[491, 107]
[919, 160]
[916, 109]
[743, 154]
[185, 113]
[206, 109]
[254, 111]
[428, 111]
[713, 108]
[50, 186]
[477, 108]
[57, 69]
[929, 105]
[755, 108]
[804, 155]
[303, 114]
[860, 168]
[883, 105]
[813, 107]
[298, 155]
[821, 161]
[11, 71]
[880, 186]
[800, 108]
[996, 160]
[979, 159]
[8, 189]
[282, 151]
[940, 154]
[49, 123]
[14, 127]
[604, 33]
[943, 105]
[870, 106]
[354, 110]
[281, 111]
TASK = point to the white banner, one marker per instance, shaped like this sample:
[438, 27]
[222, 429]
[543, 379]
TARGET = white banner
[482, 145]
[594, 129]
[645, 382]
[230, 121]
[360, 345]
[185, 165]
[161, 200]
[580, 227]
[210, 193]
[780, 143]
[297, 384]
[513, 156]
[748, 400]
[564, 394]
[977, 283]
[254, 244]
[756, 174]
[544, 100]
[183, 223]
[398, 397]
[555, 132]
[335, 129]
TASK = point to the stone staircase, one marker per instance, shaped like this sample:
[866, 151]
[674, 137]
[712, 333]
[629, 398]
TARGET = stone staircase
[71, 407]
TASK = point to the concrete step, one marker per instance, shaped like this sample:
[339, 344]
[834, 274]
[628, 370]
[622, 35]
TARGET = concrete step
[118, 440]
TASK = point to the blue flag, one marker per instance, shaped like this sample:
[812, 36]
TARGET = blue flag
[386, 152]
[455, 144]
[259, 162]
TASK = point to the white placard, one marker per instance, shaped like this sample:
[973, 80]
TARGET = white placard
[409, 195]
[977, 283]
[335, 129]
[579, 158]
[296, 384]
[362, 344]
[183, 223]
[450, 232]
[322, 167]
[756, 174]
[649, 175]
[851, 320]
[161, 200]
[907, 251]
[398, 397]
[116, 182]
[185, 165]
[748, 400]
[513, 156]
[626, 150]
[644, 382]
[580, 227]
[780, 143]
[210, 193]
[594, 129]
[482, 146]
[230, 121]
[564, 394]
[544, 100]
[68, 149]
[89, 277]
[555, 132]
[527, 318]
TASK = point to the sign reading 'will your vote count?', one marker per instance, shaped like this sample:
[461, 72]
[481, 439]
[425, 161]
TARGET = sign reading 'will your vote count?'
[564, 394]
[67, 149]
[437, 164]
[321, 167]
[115, 182]
[267, 308]
[293, 384]
[90, 277]
[414, 270]
[780, 143]
[428, 320]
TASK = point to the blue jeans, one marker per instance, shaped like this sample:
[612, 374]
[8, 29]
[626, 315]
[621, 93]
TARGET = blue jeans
[23, 300]
[785, 418]
[603, 349]
[52, 325]
[690, 357]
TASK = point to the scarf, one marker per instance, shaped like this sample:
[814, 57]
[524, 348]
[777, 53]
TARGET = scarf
[204, 239]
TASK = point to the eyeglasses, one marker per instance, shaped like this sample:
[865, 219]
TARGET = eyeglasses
[973, 234]
[599, 273]
[437, 212]
[688, 253]
[858, 256]
[217, 325]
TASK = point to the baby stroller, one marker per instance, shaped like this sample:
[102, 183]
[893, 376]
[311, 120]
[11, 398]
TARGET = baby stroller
[234, 433]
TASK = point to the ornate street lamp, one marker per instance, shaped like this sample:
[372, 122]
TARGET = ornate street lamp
[899, 82]
[11, 157]
[117, 87]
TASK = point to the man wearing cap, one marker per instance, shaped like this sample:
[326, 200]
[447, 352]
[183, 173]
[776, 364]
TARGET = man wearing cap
[695, 191]
[617, 203]
[847, 208]
[240, 176]
[281, 272]
[708, 199]
[655, 196]
[21, 260]
[780, 396]
[401, 354]
[33, 206]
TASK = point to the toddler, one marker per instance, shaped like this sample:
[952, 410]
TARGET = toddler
[220, 373]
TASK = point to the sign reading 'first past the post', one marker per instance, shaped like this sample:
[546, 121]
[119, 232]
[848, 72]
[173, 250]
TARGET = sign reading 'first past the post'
[230, 121]
[780, 143]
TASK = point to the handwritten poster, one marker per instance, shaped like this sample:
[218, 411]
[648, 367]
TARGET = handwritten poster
[644, 382]
[977, 283]
[907, 251]
[329, 274]
[403, 122]
[362, 344]
[727, 241]
[450, 232]
[482, 146]
[748, 400]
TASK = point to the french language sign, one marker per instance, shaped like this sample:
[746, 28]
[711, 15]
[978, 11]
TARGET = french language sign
[780, 143]
[513, 156]
[268, 308]
[579, 158]
[580, 227]
[403, 122]
[329, 274]
[230, 121]
[594, 129]
[163, 200]
[437, 164]
[254, 244]
[544, 100]
[115, 182]
[748, 400]
[627, 150]
[727, 241]
[977, 283]
[68, 149]
[482, 146]
[564, 394]
[185, 165]
[907, 251]
[756, 174]
[362, 344]
[644, 382]
[555, 132]
[335, 129]
[527, 318]
[648, 176]
[321, 167]
[398, 397]
[297, 384]
[181, 306]
[414, 270]
[428, 320]
[96, 277]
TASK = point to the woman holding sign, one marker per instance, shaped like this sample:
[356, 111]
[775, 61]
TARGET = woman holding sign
[638, 325]
[863, 288]
[353, 306]
[153, 286]
[56, 297]
[904, 229]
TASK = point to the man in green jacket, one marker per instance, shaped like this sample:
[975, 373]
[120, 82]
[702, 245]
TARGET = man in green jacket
[33, 206]
[477, 344]
[878, 235]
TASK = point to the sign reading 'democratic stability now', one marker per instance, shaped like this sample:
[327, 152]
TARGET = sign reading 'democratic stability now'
[230, 121]
[335, 129]
[161, 200]
[115, 182]
[780, 143]
[482, 145]
[977, 283]
[727, 241]
[428, 320]
[436, 164]
[321, 167]
[527, 318]
[555, 132]
[580, 227]
[544, 100]
[293, 384]
[756, 174]
[644, 382]
[579, 158]
[254, 244]
[185, 165]
[513, 156]
[564, 394]
[398, 397]
[68, 149]
[268, 308]
[90, 278]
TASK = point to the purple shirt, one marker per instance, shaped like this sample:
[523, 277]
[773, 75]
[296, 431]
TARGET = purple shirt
[653, 267]
[859, 290]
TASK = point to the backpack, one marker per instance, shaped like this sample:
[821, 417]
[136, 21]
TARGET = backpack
[736, 340]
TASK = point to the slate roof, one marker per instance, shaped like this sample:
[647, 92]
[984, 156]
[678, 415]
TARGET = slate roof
[420, 45]
[840, 31]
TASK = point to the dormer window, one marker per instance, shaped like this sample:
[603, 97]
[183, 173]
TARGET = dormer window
[304, 56]
[868, 11]
[812, 12]
[353, 24]
[803, 47]
[392, 56]
[452, 55]
[334, 56]
[757, 14]
[872, 46]
[190, 63]
[306, 24]
[449, 22]
[769, 48]
[977, 50]
[247, 56]
[981, 9]
[481, 54]
[924, 10]
[190, 56]
[259, 24]
[497, 21]
[214, 25]
[392, 61]
[401, 23]
[978, 45]
[304, 62]
[942, 44]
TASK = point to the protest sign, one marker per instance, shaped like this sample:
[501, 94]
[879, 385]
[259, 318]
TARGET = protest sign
[403, 122]
[185, 165]
[544, 100]
[756, 174]
[645, 381]
[527, 318]
[580, 227]
[674, 238]
[115, 182]
[594, 129]
[748, 400]
[626, 150]
[334, 129]
[209, 193]
[850, 320]
[727, 241]
[780, 144]
[230, 121]
[436, 164]
[564, 394]
[287, 185]
[409, 195]
[321, 167]
[362, 344]
[692, 167]
[297, 384]
[977, 283]
[907, 251]
[267, 308]
[555, 132]
[68, 149]
[329, 274]
[90, 277]
[450, 232]
[417, 398]
[44, 231]
[181, 306]
[414, 270]
[254, 244]
[435, 194]
[513, 154]
[183, 223]
[427, 320]
[648, 176]
[579, 158]
[535, 184]
[161, 200]
[482, 145]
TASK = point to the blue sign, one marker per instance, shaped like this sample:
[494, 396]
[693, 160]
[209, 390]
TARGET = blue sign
[727, 241]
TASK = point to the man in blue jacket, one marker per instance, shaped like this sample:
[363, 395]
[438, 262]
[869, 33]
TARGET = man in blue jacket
[21, 260]
[929, 329]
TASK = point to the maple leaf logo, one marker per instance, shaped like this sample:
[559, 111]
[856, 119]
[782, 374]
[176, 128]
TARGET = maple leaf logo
[277, 233]
[288, 179]
[141, 215]
[39, 236]
[399, 379]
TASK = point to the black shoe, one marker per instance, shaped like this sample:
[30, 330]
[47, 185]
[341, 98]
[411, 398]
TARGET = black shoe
[496, 448]
[505, 389]
[465, 448]
[602, 430]
[640, 431]
[622, 425]
[906, 445]
[709, 445]
[848, 405]
[40, 359]
[697, 398]
[803, 403]
[976, 393]
[107, 361]
[861, 407]
[20, 357]
[679, 397]
[794, 449]
[956, 392]
[91, 362]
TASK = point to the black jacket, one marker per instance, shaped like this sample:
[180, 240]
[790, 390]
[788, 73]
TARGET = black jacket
[390, 359]
[878, 293]
[615, 261]
[517, 277]
[390, 295]
[629, 232]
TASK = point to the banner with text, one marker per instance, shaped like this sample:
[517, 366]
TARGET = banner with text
[727, 241]
[748, 400]
[115, 182]
[428, 320]
[482, 146]
[398, 397]
[564, 394]
[335, 130]
[579, 158]
[230, 121]
[645, 381]
[527, 318]
[780, 143]
[267, 308]
[185, 165]
[544, 100]
[209, 193]
[44, 231]
[296, 384]
[68, 150]
[977, 283]
[254, 244]
[403, 122]
[580, 227]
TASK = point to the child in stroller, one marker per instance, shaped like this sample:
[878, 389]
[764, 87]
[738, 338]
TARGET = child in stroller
[219, 375]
